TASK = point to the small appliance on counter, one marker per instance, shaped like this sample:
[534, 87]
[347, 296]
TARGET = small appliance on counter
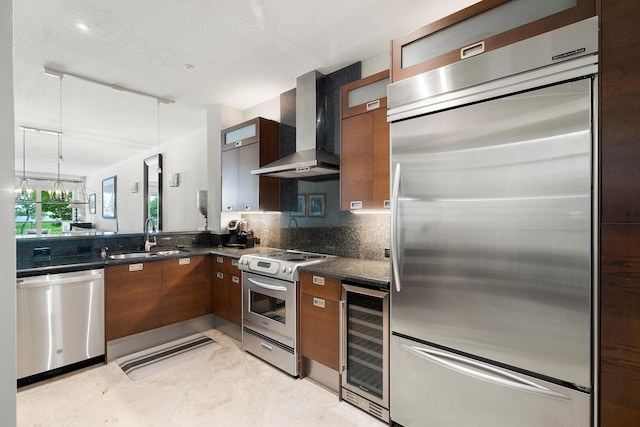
[238, 236]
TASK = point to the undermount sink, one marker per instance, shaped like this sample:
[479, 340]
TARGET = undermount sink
[169, 252]
[131, 255]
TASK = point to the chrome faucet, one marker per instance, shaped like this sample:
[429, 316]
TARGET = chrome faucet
[295, 221]
[148, 243]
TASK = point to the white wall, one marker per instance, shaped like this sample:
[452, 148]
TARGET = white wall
[7, 239]
[269, 110]
[185, 156]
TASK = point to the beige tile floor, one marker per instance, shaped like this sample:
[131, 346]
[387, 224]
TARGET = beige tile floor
[226, 388]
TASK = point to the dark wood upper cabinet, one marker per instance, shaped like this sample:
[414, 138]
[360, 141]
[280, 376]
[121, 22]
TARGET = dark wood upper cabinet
[247, 146]
[364, 151]
[481, 27]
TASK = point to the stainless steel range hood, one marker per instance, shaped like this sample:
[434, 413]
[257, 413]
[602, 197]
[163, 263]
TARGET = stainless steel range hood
[310, 159]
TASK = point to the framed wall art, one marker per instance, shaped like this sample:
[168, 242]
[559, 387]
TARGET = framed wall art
[316, 205]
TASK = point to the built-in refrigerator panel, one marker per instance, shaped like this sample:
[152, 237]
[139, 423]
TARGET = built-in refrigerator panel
[445, 389]
[493, 230]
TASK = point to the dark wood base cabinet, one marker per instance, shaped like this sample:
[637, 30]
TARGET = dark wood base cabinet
[144, 296]
[226, 290]
[133, 299]
[320, 319]
[619, 137]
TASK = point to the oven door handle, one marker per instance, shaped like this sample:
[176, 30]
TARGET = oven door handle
[266, 285]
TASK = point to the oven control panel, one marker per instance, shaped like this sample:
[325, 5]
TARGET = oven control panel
[260, 266]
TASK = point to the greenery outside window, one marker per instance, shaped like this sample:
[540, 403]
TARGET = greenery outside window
[36, 207]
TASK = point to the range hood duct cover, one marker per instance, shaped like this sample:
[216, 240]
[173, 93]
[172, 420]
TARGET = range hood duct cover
[310, 160]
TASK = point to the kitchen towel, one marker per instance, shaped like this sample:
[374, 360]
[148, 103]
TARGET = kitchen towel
[148, 362]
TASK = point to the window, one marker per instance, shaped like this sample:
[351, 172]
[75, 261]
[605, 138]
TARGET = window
[37, 209]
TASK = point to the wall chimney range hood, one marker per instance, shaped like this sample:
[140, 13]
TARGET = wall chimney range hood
[310, 159]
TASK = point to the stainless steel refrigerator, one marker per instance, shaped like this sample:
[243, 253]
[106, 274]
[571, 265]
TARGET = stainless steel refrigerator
[492, 237]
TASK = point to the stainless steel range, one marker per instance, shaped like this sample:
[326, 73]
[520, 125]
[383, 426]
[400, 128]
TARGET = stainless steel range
[269, 305]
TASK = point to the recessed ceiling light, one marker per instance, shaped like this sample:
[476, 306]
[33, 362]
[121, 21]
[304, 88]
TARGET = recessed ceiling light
[83, 27]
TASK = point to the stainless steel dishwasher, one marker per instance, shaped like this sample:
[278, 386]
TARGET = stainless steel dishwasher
[60, 322]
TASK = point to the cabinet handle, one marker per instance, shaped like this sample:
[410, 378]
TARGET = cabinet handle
[184, 261]
[234, 262]
[372, 105]
[472, 50]
[220, 260]
[220, 275]
[238, 143]
[387, 204]
[356, 204]
[235, 279]
[318, 302]
[247, 207]
[318, 280]
[136, 267]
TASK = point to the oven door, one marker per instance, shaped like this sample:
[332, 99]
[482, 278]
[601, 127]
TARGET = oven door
[269, 306]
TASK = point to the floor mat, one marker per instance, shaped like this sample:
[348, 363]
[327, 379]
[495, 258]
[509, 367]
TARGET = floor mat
[147, 362]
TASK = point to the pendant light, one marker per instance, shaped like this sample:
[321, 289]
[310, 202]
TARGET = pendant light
[159, 170]
[58, 193]
[24, 188]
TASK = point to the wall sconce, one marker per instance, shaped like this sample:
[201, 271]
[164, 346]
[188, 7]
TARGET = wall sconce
[174, 180]
[134, 187]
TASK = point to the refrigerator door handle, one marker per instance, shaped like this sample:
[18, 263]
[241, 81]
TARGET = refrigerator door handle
[483, 372]
[394, 227]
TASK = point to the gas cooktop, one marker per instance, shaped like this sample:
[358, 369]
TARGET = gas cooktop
[282, 265]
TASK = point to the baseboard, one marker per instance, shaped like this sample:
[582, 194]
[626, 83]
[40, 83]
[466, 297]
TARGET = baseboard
[137, 342]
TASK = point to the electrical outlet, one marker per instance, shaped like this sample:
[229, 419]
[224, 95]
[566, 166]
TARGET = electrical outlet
[387, 252]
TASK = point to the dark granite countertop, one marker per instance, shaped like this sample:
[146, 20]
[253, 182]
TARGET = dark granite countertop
[377, 273]
[34, 267]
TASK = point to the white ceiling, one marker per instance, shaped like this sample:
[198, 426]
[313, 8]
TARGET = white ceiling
[243, 52]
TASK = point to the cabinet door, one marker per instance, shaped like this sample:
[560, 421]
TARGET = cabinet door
[183, 289]
[320, 330]
[481, 27]
[381, 160]
[235, 299]
[133, 296]
[248, 185]
[320, 319]
[356, 162]
[220, 295]
[234, 287]
[230, 180]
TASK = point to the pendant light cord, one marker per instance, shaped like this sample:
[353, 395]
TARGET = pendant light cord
[24, 155]
[159, 170]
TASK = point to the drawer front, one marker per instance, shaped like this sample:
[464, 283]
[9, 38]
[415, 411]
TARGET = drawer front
[231, 266]
[320, 286]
